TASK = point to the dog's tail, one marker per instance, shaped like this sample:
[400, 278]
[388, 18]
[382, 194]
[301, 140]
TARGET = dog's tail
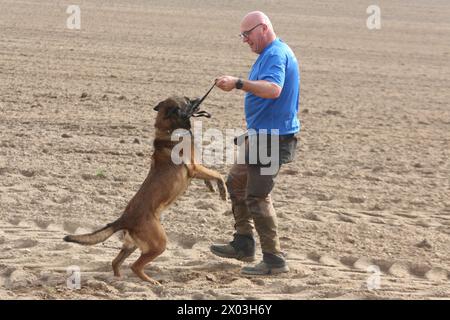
[96, 236]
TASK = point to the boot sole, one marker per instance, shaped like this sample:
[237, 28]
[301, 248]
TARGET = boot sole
[223, 255]
[270, 272]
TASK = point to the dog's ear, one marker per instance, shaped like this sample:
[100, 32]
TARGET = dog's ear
[160, 105]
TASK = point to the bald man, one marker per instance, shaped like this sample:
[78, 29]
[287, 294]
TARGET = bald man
[271, 106]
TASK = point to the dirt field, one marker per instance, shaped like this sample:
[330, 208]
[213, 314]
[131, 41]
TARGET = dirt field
[370, 184]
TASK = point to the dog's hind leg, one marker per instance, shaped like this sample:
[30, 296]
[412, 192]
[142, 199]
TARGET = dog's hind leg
[123, 254]
[138, 266]
[151, 239]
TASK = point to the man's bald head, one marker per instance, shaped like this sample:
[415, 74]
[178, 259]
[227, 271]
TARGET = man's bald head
[255, 17]
[261, 34]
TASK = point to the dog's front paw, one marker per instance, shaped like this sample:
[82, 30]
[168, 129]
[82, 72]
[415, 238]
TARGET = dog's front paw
[209, 185]
[222, 189]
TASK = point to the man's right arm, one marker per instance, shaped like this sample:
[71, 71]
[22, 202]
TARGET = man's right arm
[261, 88]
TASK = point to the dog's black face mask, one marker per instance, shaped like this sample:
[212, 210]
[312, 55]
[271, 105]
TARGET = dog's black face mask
[193, 108]
[179, 111]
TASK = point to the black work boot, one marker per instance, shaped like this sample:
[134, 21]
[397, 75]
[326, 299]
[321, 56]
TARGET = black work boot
[241, 248]
[271, 264]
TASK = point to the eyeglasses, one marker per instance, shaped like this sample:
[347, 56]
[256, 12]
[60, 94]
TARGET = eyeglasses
[246, 34]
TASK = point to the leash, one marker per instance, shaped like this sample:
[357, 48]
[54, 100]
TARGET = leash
[195, 106]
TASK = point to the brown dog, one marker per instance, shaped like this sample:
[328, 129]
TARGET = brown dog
[166, 180]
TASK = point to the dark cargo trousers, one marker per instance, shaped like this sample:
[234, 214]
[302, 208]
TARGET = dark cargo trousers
[252, 205]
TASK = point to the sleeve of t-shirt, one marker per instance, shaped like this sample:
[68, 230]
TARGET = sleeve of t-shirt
[273, 69]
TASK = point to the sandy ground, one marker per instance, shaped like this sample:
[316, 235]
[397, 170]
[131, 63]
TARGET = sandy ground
[370, 184]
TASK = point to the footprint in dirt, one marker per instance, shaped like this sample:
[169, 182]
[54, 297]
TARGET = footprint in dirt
[312, 216]
[70, 226]
[356, 199]
[20, 278]
[25, 243]
[14, 221]
[399, 270]
[345, 218]
[28, 173]
[62, 246]
[43, 224]
[323, 259]
[437, 274]
[329, 261]
[419, 269]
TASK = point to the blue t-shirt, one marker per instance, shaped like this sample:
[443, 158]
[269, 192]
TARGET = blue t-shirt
[278, 64]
